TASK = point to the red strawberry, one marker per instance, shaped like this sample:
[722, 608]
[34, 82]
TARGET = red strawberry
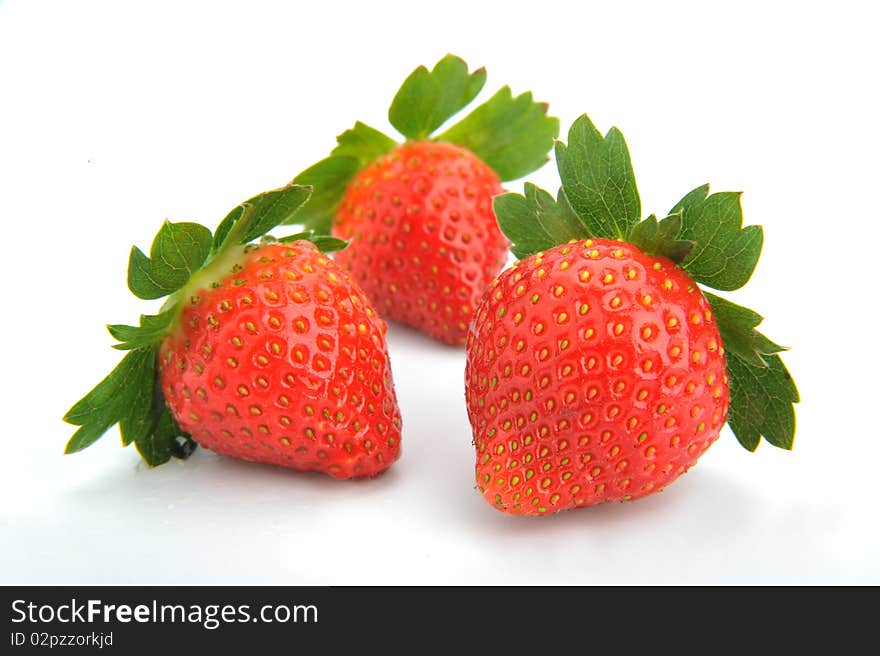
[595, 373]
[282, 360]
[424, 241]
[268, 352]
[597, 370]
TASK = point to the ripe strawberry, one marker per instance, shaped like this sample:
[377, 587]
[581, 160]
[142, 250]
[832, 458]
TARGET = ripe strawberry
[595, 373]
[597, 370]
[424, 240]
[268, 353]
[284, 361]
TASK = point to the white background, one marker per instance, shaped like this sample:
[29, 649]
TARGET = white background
[116, 115]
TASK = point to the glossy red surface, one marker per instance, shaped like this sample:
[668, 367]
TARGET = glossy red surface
[281, 359]
[424, 240]
[594, 373]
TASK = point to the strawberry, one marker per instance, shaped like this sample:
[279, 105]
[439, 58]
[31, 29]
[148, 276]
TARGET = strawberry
[265, 352]
[597, 369]
[424, 240]
[427, 243]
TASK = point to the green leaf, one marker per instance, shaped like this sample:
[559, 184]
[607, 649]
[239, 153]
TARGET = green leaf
[511, 135]
[535, 221]
[165, 440]
[109, 401]
[222, 231]
[761, 399]
[131, 397]
[428, 99]
[324, 243]
[363, 143]
[556, 216]
[662, 238]
[761, 389]
[265, 211]
[328, 178]
[725, 254]
[598, 179]
[138, 418]
[178, 250]
[737, 327]
[518, 220]
[151, 330]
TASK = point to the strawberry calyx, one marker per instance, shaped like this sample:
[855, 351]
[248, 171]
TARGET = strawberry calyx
[703, 234]
[183, 258]
[511, 134]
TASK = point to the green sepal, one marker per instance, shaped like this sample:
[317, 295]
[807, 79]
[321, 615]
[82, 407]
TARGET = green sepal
[761, 402]
[139, 419]
[258, 215]
[324, 243]
[127, 396]
[222, 231]
[363, 143]
[662, 238]
[761, 389]
[166, 440]
[130, 395]
[178, 250]
[534, 221]
[106, 404]
[151, 330]
[328, 178]
[737, 327]
[427, 99]
[598, 179]
[703, 233]
[726, 254]
[511, 134]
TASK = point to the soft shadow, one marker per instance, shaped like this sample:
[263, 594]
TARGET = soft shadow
[708, 495]
[403, 336]
[205, 472]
